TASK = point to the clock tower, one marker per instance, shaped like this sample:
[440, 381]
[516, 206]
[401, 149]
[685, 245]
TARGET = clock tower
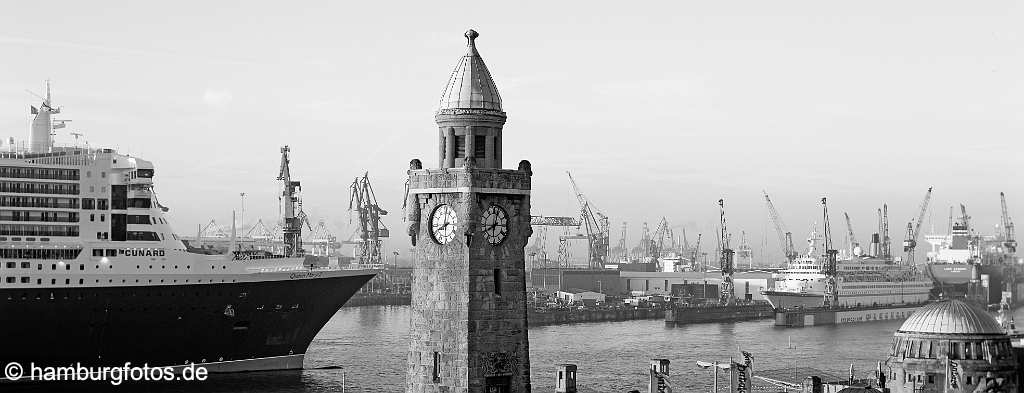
[469, 221]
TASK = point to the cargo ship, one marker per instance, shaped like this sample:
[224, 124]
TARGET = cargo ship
[979, 269]
[92, 273]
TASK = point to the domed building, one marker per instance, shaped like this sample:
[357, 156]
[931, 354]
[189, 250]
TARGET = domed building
[952, 346]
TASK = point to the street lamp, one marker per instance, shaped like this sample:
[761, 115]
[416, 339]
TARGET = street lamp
[714, 366]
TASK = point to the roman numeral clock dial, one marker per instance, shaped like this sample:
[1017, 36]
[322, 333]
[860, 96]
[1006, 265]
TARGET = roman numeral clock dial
[495, 225]
[442, 224]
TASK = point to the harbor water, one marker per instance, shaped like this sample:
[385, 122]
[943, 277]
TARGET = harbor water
[364, 350]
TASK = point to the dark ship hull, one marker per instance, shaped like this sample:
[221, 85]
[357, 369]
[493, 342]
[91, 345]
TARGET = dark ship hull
[242, 326]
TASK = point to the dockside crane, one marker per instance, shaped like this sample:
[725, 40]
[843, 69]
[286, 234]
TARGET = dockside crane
[855, 249]
[726, 263]
[886, 241]
[696, 254]
[371, 229]
[785, 237]
[540, 245]
[291, 207]
[1009, 241]
[830, 266]
[658, 240]
[596, 224]
[914, 229]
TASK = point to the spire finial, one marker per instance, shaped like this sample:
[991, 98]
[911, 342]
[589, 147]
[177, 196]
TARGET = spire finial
[471, 37]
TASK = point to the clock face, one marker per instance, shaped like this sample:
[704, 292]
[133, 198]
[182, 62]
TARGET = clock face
[495, 225]
[442, 224]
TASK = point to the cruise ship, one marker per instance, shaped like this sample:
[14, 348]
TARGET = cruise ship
[861, 281]
[92, 272]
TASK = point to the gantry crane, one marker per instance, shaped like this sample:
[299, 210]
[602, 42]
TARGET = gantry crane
[830, 266]
[855, 249]
[914, 229]
[542, 236]
[370, 229]
[725, 262]
[785, 237]
[291, 207]
[596, 224]
[1009, 241]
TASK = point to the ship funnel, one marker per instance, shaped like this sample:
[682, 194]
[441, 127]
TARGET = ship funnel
[42, 124]
[876, 245]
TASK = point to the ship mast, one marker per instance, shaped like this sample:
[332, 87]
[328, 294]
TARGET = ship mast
[293, 216]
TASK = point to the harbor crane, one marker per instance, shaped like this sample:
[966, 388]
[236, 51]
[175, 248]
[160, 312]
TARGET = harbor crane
[696, 254]
[830, 266]
[658, 240]
[914, 229]
[371, 230]
[785, 237]
[292, 207]
[1009, 241]
[726, 296]
[540, 246]
[855, 249]
[596, 225]
[886, 251]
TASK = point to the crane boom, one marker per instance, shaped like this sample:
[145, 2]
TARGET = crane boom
[596, 225]
[785, 237]
[914, 228]
[1009, 241]
[854, 245]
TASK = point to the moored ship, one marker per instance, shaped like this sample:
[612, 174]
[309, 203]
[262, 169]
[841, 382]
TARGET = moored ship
[980, 269]
[91, 271]
[861, 281]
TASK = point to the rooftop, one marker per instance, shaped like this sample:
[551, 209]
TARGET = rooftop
[951, 317]
[470, 86]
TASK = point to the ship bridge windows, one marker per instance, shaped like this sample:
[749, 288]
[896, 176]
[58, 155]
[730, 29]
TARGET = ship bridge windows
[38, 188]
[138, 219]
[102, 204]
[140, 203]
[142, 236]
[144, 173]
[88, 203]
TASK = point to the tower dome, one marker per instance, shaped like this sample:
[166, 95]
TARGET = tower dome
[470, 86]
[953, 347]
[951, 317]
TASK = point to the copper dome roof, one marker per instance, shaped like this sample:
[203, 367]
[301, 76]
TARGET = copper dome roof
[470, 86]
[951, 317]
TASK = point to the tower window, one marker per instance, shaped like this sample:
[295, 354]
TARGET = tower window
[437, 367]
[460, 146]
[497, 281]
[479, 146]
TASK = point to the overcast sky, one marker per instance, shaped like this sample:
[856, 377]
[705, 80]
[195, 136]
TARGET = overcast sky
[658, 109]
